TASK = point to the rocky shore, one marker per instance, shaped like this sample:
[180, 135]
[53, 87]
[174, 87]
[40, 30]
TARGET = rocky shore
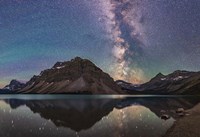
[188, 125]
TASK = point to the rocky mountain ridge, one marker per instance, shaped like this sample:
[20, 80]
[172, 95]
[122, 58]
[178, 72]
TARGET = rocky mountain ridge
[178, 82]
[75, 76]
[81, 76]
[14, 85]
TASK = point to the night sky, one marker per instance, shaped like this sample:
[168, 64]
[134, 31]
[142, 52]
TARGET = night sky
[130, 39]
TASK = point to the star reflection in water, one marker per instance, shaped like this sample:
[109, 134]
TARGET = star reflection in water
[123, 117]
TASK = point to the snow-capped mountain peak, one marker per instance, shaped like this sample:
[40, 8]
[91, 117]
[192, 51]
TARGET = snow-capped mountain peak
[14, 85]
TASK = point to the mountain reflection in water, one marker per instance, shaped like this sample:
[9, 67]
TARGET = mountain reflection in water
[89, 117]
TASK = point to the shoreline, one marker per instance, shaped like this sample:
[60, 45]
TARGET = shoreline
[187, 126]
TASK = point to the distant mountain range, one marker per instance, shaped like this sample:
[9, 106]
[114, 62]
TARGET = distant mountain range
[81, 76]
[178, 82]
[15, 85]
[12, 87]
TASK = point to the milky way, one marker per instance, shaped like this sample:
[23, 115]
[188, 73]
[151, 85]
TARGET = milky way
[149, 37]
[130, 39]
[117, 16]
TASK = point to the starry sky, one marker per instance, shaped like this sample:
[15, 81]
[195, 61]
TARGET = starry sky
[131, 40]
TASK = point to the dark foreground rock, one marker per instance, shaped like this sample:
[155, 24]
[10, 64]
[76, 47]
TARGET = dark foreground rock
[188, 125]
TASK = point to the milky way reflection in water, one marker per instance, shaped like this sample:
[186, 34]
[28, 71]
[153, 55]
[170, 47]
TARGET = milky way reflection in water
[87, 116]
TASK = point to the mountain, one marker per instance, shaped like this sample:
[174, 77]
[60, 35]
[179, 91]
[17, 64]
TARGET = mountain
[14, 85]
[178, 82]
[75, 76]
[127, 87]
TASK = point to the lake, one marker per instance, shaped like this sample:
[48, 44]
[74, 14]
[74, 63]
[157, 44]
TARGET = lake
[89, 115]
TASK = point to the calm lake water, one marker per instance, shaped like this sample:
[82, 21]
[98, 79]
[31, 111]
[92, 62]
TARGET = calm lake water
[88, 116]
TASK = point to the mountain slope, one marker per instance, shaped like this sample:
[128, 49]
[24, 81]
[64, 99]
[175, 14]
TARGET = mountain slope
[75, 76]
[14, 85]
[5, 91]
[178, 82]
[125, 85]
